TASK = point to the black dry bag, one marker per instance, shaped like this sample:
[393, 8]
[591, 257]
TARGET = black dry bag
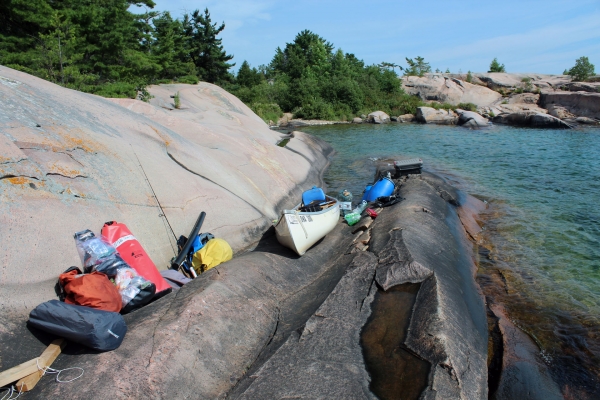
[98, 329]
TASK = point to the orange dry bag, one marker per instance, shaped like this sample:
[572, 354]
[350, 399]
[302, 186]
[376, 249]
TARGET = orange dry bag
[132, 252]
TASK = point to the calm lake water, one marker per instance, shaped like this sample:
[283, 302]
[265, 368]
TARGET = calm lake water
[542, 226]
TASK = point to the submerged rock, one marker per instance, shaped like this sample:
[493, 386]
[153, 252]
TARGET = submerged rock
[524, 375]
[429, 115]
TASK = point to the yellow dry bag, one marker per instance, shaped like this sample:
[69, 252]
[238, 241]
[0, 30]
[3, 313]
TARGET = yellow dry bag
[215, 252]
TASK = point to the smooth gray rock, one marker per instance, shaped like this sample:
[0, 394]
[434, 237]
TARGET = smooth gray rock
[200, 341]
[324, 360]
[378, 117]
[593, 87]
[559, 112]
[357, 120]
[581, 104]
[448, 326]
[524, 98]
[418, 240]
[429, 115]
[436, 87]
[406, 118]
[586, 121]
[531, 119]
[471, 119]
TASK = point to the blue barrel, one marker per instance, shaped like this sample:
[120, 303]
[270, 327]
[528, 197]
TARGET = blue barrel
[312, 195]
[366, 192]
[383, 187]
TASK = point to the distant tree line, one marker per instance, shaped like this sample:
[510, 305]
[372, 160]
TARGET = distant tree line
[312, 80]
[102, 47]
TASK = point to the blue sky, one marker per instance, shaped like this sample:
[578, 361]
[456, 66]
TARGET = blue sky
[543, 36]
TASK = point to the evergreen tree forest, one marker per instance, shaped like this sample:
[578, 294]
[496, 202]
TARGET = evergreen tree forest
[103, 47]
[116, 48]
[312, 80]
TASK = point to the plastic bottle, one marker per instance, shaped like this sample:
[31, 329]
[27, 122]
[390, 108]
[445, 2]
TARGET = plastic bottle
[353, 217]
[360, 207]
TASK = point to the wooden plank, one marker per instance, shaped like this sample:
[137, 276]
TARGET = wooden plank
[45, 360]
[18, 372]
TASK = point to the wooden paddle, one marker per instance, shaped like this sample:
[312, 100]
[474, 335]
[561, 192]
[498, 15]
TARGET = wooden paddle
[30, 372]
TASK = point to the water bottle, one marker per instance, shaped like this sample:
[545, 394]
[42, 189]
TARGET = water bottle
[360, 207]
[352, 218]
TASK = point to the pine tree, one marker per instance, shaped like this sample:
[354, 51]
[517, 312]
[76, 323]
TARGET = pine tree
[248, 76]
[417, 67]
[205, 49]
[495, 66]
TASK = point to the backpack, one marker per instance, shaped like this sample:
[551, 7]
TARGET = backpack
[91, 290]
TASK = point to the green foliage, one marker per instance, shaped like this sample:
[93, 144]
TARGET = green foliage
[495, 66]
[204, 49]
[144, 95]
[467, 106]
[177, 100]
[469, 77]
[249, 77]
[582, 70]
[106, 48]
[443, 106]
[518, 91]
[417, 67]
[447, 70]
[268, 112]
[492, 114]
[311, 79]
[528, 85]
[189, 79]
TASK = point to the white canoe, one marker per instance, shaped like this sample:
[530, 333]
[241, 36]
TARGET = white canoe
[300, 230]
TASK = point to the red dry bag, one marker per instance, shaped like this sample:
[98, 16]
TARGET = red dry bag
[132, 252]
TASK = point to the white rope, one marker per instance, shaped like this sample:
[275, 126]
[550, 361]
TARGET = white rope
[11, 391]
[48, 370]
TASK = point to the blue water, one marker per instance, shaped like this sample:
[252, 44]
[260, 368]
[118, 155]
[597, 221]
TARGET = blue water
[543, 223]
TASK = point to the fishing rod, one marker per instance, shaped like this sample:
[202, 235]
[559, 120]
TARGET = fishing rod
[154, 193]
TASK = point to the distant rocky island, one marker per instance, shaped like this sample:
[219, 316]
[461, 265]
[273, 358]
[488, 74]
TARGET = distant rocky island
[535, 100]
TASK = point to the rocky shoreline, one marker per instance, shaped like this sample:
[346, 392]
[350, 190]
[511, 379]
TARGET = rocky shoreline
[530, 100]
[267, 323]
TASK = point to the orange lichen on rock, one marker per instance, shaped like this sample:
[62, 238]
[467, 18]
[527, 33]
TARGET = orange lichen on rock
[18, 180]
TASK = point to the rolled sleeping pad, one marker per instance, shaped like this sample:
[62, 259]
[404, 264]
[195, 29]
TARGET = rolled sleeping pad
[132, 252]
[383, 187]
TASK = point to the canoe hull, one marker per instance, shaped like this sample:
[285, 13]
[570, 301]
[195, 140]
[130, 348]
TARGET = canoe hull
[300, 230]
